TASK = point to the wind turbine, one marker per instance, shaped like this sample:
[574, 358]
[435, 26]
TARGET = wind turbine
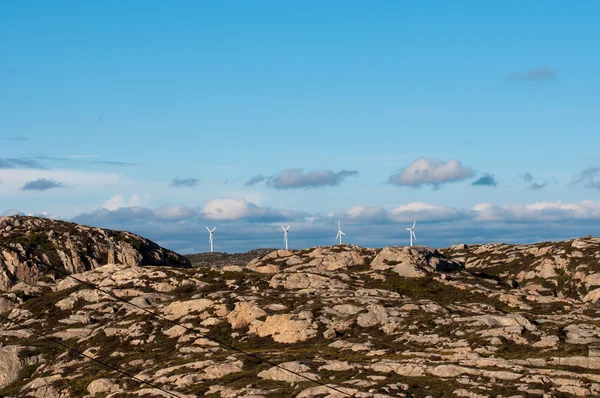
[285, 234]
[412, 233]
[340, 233]
[210, 238]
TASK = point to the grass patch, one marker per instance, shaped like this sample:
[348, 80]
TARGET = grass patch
[428, 288]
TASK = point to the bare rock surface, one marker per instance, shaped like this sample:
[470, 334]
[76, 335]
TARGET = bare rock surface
[10, 364]
[28, 244]
[490, 320]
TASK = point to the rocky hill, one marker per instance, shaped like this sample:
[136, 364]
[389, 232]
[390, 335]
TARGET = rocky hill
[479, 321]
[28, 244]
[221, 259]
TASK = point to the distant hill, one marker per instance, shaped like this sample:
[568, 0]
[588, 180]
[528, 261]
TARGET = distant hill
[29, 243]
[220, 259]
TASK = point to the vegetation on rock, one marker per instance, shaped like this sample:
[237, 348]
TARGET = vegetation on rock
[478, 321]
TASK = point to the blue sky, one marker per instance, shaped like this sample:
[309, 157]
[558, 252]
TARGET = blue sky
[372, 113]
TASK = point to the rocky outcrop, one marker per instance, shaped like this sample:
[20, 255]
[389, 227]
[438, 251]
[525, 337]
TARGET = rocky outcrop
[413, 262]
[467, 321]
[286, 328]
[27, 244]
[279, 373]
[244, 314]
[561, 269]
[10, 364]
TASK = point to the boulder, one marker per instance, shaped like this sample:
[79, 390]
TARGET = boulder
[447, 371]
[220, 370]
[281, 373]
[8, 302]
[100, 386]
[376, 315]
[346, 309]
[592, 296]
[332, 261]
[284, 328]
[302, 280]
[413, 262]
[592, 280]
[178, 309]
[402, 369]
[10, 364]
[244, 314]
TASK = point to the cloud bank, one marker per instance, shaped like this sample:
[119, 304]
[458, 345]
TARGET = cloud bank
[244, 225]
[42, 184]
[487, 180]
[430, 171]
[588, 177]
[184, 182]
[532, 184]
[298, 179]
[20, 163]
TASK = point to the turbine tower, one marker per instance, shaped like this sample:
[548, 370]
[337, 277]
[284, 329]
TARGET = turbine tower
[340, 233]
[411, 232]
[285, 235]
[210, 238]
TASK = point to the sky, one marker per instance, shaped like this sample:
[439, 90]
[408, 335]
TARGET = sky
[479, 120]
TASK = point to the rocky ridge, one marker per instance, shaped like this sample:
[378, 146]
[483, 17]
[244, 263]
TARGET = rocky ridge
[220, 259]
[466, 321]
[28, 244]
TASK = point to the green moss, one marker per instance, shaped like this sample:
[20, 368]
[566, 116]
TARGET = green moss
[428, 288]
[34, 241]
[45, 306]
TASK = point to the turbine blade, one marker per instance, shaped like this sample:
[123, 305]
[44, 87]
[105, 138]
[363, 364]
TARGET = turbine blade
[415, 223]
[342, 233]
[207, 229]
[414, 235]
[282, 228]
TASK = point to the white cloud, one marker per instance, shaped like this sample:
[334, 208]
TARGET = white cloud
[430, 171]
[369, 214]
[236, 209]
[176, 212]
[226, 209]
[118, 201]
[425, 211]
[298, 178]
[122, 209]
[538, 212]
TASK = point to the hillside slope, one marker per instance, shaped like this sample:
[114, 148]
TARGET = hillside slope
[27, 244]
[480, 321]
[220, 259]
